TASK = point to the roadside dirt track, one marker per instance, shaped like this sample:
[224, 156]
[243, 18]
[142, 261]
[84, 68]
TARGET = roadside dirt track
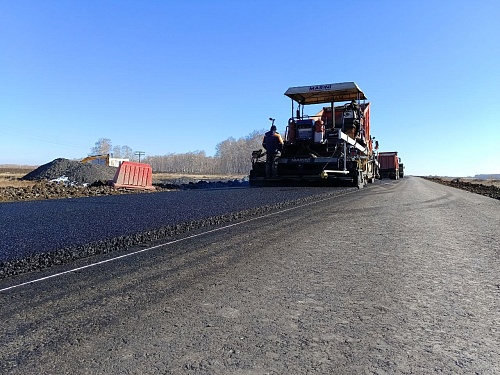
[399, 278]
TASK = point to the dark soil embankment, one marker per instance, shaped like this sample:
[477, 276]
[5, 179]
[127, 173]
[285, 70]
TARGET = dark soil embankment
[477, 188]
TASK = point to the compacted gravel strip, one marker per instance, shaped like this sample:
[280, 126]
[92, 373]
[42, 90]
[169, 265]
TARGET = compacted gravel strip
[38, 234]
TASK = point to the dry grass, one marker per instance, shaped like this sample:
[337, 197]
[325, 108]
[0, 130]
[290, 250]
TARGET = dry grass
[12, 177]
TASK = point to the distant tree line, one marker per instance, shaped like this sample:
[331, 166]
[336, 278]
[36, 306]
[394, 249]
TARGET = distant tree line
[232, 156]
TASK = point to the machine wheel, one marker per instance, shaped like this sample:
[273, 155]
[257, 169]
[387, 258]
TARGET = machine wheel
[359, 180]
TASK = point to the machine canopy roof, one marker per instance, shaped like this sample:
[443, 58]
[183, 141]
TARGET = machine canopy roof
[333, 92]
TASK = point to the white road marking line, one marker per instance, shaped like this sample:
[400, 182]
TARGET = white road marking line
[168, 243]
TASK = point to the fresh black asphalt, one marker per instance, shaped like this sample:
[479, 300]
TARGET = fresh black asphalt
[38, 234]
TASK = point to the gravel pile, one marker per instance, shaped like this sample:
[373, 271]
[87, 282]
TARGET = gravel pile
[75, 172]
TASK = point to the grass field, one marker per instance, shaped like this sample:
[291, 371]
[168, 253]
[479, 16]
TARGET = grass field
[10, 176]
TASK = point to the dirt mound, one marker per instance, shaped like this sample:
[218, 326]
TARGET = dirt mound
[491, 191]
[75, 172]
[42, 190]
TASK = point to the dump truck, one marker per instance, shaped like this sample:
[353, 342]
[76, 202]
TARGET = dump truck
[390, 165]
[334, 144]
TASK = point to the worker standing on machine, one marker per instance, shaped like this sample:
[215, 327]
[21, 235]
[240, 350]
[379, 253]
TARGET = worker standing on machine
[273, 144]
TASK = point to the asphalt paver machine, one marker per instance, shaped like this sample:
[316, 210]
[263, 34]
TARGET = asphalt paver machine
[334, 144]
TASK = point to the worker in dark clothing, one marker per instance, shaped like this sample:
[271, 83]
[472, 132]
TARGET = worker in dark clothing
[273, 144]
[354, 106]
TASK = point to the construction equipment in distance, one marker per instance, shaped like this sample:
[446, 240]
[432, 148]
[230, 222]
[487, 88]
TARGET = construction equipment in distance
[104, 159]
[401, 168]
[332, 145]
[390, 165]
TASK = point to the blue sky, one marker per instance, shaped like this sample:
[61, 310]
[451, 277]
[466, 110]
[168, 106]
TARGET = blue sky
[177, 76]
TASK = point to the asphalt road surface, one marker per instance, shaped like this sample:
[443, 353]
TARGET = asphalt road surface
[34, 227]
[398, 278]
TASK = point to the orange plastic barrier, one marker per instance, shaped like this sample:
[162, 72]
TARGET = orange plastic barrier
[133, 175]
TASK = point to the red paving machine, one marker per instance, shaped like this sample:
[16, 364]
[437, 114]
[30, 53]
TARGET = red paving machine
[332, 145]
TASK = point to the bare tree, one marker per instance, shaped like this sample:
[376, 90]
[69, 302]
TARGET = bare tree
[234, 156]
[127, 153]
[102, 147]
[117, 152]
